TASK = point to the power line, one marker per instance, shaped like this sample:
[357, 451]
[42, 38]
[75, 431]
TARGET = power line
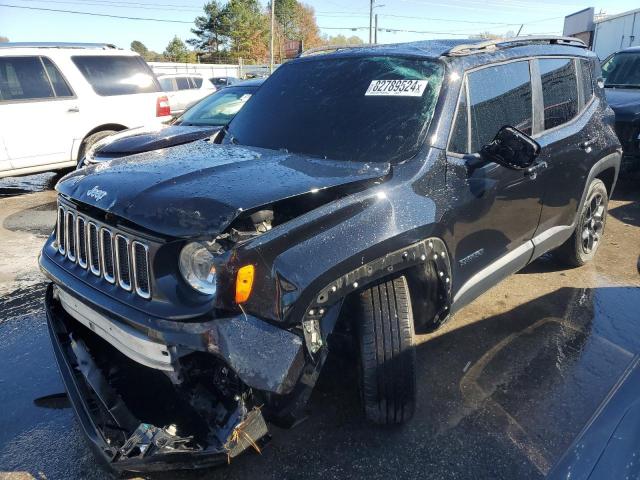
[120, 4]
[96, 14]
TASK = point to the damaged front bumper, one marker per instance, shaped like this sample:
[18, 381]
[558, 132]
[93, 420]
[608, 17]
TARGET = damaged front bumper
[143, 413]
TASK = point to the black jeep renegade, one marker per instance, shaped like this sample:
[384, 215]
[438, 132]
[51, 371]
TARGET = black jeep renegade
[372, 190]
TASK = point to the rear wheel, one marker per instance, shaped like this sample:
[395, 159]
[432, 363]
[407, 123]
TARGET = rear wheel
[586, 238]
[387, 355]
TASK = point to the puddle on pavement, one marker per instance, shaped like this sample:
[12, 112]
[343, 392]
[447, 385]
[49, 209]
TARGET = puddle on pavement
[12, 186]
[537, 373]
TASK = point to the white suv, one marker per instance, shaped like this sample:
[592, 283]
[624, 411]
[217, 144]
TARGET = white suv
[56, 100]
[184, 89]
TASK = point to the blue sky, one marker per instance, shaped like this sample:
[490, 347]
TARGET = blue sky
[421, 19]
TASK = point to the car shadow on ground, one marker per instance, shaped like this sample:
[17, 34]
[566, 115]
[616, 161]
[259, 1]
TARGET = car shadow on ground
[502, 397]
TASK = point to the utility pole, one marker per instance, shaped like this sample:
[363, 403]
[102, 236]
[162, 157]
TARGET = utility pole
[273, 16]
[371, 21]
[375, 31]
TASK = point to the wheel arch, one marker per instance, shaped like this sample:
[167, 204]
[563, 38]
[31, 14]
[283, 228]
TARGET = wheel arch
[425, 264]
[106, 126]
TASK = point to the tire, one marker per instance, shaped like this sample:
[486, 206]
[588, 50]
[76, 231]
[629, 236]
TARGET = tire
[586, 238]
[387, 354]
[90, 140]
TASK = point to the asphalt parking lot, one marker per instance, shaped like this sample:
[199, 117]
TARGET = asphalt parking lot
[504, 387]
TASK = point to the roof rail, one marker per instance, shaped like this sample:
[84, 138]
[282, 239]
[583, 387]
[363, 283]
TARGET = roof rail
[491, 45]
[333, 48]
[103, 46]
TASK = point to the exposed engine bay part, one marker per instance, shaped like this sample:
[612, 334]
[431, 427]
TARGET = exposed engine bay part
[429, 258]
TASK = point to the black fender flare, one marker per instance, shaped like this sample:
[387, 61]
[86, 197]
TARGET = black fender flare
[320, 315]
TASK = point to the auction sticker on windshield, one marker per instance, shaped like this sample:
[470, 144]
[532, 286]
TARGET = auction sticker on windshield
[397, 88]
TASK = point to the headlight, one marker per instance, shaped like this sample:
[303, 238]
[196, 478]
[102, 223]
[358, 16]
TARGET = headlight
[197, 268]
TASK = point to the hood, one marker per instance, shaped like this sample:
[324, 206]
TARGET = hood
[199, 188]
[144, 139]
[625, 102]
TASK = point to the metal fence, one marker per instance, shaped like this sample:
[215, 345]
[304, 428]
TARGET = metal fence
[208, 70]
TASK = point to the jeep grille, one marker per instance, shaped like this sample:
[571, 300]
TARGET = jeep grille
[114, 257]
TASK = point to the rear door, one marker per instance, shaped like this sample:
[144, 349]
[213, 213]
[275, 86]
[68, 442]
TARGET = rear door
[568, 137]
[495, 211]
[122, 90]
[37, 112]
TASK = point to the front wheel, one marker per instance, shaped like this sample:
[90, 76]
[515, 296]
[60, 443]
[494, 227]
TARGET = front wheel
[586, 238]
[387, 355]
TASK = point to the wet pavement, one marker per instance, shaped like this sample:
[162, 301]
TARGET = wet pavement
[504, 387]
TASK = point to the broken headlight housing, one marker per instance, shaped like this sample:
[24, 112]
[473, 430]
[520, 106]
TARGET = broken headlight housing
[197, 267]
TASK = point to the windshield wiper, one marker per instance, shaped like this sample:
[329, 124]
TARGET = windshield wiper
[224, 133]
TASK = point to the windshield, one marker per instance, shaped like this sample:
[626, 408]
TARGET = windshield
[217, 109]
[360, 109]
[622, 70]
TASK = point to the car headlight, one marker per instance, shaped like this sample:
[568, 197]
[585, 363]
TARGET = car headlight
[197, 268]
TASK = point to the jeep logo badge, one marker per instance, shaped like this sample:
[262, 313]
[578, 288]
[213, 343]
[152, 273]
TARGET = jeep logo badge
[96, 193]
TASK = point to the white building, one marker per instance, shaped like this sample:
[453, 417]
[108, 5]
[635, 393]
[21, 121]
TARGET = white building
[605, 34]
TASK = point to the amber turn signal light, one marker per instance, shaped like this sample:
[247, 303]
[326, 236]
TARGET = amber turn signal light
[244, 283]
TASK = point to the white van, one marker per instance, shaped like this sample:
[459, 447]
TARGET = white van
[184, 89]
[57, 99]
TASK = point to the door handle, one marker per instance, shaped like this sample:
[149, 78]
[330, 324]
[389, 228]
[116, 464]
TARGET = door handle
[74, 109]
[533, 170]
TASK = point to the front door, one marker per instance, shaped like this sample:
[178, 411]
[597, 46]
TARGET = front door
[38, 112]
[496, 209]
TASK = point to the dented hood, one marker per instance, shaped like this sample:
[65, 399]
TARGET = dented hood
[143, 139]
[200, 188]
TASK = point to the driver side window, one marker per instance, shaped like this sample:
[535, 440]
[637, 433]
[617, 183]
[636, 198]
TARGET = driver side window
[497, 96]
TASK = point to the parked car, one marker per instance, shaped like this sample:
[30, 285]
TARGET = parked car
[370, 191]
[201, 121]
[57, 99]
[184, 89]
[220, 82]
[621, 73]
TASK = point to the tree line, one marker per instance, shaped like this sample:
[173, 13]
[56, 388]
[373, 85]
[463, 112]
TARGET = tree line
[240, 29]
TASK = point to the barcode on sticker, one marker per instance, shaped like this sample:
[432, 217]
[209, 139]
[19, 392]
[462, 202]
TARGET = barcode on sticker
[397, 88]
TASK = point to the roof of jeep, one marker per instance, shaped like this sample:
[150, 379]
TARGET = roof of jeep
[468, 47]
[423, 48]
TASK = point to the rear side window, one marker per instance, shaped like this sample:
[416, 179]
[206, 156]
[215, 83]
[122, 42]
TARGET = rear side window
[197, 81]
[499, 96]
[23, 78]
[114, 75]
[167, 84]
[60, 85]
[183, 83]
[587, 80]
[559, 91]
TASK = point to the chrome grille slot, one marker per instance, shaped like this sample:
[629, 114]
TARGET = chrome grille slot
[94, 249]
[123, 263]
[81, 241]
[106, 251]
[60, 231]
[141, 269]
[109, 254]
[69, 235]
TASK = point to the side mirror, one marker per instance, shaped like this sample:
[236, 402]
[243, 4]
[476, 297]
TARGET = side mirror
[512, 149]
